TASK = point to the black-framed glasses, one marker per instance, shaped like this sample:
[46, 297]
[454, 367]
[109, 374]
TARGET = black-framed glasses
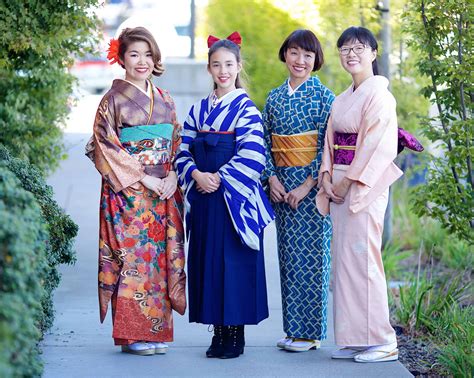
[358, 49]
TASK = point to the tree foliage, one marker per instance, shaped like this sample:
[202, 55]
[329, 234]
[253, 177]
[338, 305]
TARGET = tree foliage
[263, 28]
[37, 40]
[441, 34]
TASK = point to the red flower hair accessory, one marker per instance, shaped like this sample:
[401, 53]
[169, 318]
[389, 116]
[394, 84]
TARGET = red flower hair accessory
[234, 37]
[113, 51]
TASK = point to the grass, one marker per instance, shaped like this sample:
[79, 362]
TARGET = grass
[435, 301]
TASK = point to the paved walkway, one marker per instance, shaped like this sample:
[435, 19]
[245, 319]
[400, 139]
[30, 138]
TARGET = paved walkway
[79, 346]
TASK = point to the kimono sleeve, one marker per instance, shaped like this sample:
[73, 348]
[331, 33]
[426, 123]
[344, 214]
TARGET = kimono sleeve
[267, 133]
[177, 129]
[327, 158]
[322, 130]
[111, 159]
[184, 162]
[378, 142]
[242, 173]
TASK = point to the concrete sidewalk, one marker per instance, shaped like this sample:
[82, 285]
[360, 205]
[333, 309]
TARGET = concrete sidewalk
[79, 346]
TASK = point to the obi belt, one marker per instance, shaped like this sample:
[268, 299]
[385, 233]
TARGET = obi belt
[345, 145]
[295, 150]
[150, 145]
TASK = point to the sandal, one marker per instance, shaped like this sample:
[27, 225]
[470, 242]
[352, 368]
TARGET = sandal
[141, 349]
[348, 352]
[377, 356]
[302, 345]
[282, 343]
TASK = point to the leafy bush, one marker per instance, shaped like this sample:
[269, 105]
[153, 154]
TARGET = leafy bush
[412, 231]
[61, 230]
[22, 276]
[37, 42]
[441, 33]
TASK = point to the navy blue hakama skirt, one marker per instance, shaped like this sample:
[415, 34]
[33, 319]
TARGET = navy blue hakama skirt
[226, 278]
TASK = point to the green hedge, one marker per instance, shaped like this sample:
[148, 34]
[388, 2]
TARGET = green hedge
[23, 269]
[60, 227]
[38, 41]
[35, 237]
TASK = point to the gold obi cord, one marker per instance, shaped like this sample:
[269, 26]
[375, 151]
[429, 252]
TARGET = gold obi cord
[294, 150]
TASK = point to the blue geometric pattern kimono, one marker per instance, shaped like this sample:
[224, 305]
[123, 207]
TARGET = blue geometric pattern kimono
[225, 259]
[303, 235]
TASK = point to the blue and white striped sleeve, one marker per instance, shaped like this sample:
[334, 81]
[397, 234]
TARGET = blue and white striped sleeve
[240, 175]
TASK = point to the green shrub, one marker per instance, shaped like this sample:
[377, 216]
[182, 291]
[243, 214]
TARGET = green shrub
[22, 274]
[38, 40]
[61, 230]
[454, 330]
[423, 301]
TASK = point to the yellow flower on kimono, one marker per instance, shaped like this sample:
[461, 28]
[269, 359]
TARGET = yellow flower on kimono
[107, 278]
[147, 217]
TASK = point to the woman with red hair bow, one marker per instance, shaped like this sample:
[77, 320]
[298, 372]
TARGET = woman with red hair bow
[219, 166]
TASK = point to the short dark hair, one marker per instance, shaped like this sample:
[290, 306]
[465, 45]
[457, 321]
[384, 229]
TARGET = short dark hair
[306, 40]
[363, 35]
[140, 34]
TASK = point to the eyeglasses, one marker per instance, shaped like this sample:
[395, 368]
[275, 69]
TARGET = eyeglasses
[358, 49]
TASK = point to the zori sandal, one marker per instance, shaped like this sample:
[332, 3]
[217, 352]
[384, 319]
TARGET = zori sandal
[377, 356]
[348, 352]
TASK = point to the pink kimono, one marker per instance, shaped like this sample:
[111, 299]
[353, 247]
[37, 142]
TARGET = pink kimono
[361, 315]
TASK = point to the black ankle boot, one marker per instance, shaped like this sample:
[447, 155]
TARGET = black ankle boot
[217, 346]
[234, 342]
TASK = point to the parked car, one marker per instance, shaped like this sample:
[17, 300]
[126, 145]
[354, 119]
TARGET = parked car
[94, 73]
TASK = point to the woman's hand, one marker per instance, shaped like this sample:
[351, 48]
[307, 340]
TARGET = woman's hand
[295, 196]
[277, 190]
[152, 183]
[206, 182]
[329, 189]
[342, 187]
[168, 185]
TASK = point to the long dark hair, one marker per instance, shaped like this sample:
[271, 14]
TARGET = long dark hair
[234, 49]
[363, 35]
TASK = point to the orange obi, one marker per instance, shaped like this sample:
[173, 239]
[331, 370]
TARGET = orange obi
[294, 150]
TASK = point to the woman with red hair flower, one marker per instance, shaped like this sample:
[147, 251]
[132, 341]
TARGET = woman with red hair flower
[141, 253]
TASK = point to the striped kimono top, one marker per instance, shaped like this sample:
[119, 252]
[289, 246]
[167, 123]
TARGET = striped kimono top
[248, 207]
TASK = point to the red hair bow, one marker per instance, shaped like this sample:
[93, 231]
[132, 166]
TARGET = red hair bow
[234, 37]
[113, 51]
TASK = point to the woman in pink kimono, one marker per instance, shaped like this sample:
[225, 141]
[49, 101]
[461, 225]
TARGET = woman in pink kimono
[356, 172]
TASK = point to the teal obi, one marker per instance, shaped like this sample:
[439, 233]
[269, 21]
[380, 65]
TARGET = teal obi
[150, 145]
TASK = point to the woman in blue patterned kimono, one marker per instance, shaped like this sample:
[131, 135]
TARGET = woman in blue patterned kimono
[221, 158]
[295, 119]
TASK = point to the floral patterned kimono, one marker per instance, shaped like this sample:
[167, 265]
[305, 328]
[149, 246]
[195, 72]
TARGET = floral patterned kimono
[141, 254]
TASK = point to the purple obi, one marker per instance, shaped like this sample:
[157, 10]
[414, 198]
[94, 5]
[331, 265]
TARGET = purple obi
[345, 145]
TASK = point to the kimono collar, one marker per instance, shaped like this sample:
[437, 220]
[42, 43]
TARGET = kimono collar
[305, 89]
[224, 100]
[134, 93]
[376, 81]
[291, 91]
